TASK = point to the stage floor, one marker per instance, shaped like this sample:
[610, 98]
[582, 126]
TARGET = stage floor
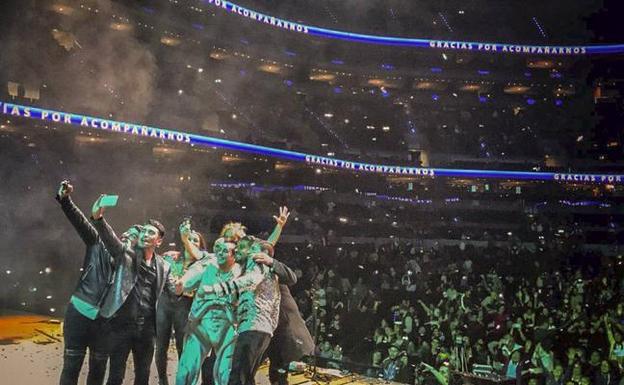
[31, 353]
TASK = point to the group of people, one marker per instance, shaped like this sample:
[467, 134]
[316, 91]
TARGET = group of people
[546, 317]
[229, 308]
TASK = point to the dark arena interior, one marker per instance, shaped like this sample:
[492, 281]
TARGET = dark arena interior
[448, 176]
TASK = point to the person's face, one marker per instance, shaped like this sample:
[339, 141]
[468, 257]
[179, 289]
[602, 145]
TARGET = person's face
[393, 353]
[515, 356]
[376, 357]
[224, 251]
[595, 357]
[558, 371]
[604, 367]
[585, 381]
[131, 235]
[532, 381]
[149, 237]
[243, 250]
[234, 233]
[194, 239]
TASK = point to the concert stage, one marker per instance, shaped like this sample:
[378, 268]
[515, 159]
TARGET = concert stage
[31, 353]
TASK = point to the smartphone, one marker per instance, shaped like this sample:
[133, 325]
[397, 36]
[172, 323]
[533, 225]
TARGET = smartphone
[109, 200]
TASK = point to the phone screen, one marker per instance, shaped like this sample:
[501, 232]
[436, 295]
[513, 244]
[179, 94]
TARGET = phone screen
[109, 200]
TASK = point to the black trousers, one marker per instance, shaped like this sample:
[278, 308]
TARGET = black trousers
[278, 368]
[137, 337]
[170, 316]
[248, 353]
[80, 333]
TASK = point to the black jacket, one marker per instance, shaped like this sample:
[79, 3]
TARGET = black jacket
[126, 262]
[97, 266]
[292, 339]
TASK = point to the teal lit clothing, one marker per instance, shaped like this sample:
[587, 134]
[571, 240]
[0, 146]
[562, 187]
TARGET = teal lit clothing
[211, 322]
[85, 308]
[511, 369]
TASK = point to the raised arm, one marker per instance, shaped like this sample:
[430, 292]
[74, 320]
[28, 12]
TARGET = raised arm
[109, 238]
[81, 223]
[281, 222]
[185, 231]
[425, 307]
[610, 337]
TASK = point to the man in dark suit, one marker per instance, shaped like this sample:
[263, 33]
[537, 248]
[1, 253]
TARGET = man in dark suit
[141, 275]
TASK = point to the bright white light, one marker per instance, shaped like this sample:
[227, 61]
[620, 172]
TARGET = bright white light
[234, 116]
[217, 80]
[386, 128]
[52, 310]
[200, 70]
[329, 115]
[48, 297]
[318, 170]
[8, 271]
[346, 121]
[47, 270]
[180, 92]
[342, 220]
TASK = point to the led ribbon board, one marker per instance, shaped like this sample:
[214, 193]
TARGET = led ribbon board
[417, 43]
[88, 122]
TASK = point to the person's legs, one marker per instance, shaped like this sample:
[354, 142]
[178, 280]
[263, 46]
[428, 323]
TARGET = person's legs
[143, 352]
[250, 347]
[193, 354]
[99, 349]
[121, 336]
[207, 369]
[278, 373]
[263, 340]
[224, 355]
[180, 317]
[219, 331]
[164, 323]
[75, 338]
